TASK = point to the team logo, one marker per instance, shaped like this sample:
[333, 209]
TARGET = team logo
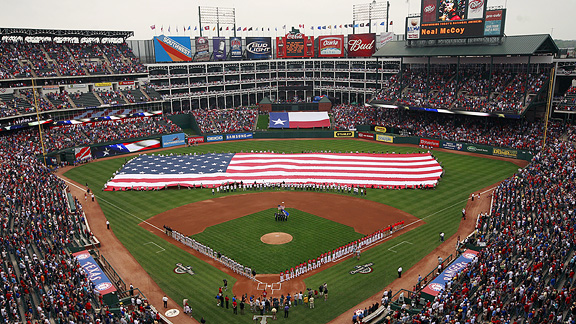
[83, 256]
[182, 269]
[436, 286]
[104, 286]
[469, 256]
[172, 312]
[363, 269]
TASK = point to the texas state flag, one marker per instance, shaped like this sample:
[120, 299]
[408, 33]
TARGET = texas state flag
[299, 119]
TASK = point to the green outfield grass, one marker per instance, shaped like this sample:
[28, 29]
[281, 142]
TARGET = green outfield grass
[263, 121]
[439, 208]
[312, 236]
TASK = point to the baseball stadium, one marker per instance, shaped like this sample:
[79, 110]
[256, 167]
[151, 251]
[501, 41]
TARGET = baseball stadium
[320, 174]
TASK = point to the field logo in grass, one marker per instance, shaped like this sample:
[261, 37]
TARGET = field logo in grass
[364, 269]
[182, 269]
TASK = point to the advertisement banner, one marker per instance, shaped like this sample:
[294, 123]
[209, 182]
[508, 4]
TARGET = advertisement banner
[235, 47]
[295, 45]
[361, 45]
[94, 272]
[258, 48]
[479, 149]
[413, 28]
[429, 10]
[123, 148]
[239, 136]
[505, 152]
[202, 49]
[343, 134]
[219, 48]
[385, 138]
[195, 139]
[126, 83]
[385, 38]
[439, 283]
[331, 46]
[76, 86]
[452, 29]
[214, 138]
[476, 9]
[172, 49]
[380, 129]
[452, 146]
[493, 25]
[365, 135]
[103, 84]
[429, 142]
[173, 140]
[50, 87]
[280, 48]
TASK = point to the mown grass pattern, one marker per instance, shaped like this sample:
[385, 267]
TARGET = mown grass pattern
[239, 239]
[440, 209]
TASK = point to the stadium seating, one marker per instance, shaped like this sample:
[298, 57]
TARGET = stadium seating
[217, 121]
[568, 101]
[51, 59]
[476, 90]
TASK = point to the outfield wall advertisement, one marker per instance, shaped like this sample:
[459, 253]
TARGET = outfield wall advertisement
[173, 140]
[172, 49]
[239, 136]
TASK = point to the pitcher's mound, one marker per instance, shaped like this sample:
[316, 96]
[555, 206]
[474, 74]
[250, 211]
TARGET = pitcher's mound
[276, 238]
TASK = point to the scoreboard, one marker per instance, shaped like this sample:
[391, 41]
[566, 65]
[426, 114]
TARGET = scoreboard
[441, 19]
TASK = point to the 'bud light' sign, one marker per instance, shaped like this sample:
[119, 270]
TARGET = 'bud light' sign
[258, 48]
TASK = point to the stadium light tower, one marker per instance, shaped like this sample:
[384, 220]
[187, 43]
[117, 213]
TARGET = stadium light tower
[370, 11]
[216, 15]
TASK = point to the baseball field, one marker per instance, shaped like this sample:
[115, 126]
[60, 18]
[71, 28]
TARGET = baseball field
[137, 217]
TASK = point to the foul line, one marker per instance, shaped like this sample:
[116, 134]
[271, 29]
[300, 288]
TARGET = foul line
[163, 249]
[465, 200]
[111, 204]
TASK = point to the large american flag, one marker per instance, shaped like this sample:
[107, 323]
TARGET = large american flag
[148, 172]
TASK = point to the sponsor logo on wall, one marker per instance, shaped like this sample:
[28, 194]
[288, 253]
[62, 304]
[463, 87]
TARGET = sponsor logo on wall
[195, 139]
[361, 45]
[505, 152]
[231, 137]
[331, 46]
[343, 134]
[366, 135]
[214, 138]
[258, 47]
[429, 142]
[384, 138]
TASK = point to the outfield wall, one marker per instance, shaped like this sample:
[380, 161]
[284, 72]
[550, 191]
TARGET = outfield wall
[323, 134]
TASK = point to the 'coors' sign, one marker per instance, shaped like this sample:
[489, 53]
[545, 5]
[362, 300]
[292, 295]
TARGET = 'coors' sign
[361, 45]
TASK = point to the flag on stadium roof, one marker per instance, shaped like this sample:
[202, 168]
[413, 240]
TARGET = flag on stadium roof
[148, 172]
[153, 27]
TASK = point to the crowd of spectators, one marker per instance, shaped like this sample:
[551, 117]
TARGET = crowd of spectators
[525, 274]
[42, 282]
[568, 101]
[518, 134]
[49, 59]
[475, 89]
[218, 121]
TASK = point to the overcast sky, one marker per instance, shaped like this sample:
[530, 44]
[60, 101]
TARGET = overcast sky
[555, 17]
